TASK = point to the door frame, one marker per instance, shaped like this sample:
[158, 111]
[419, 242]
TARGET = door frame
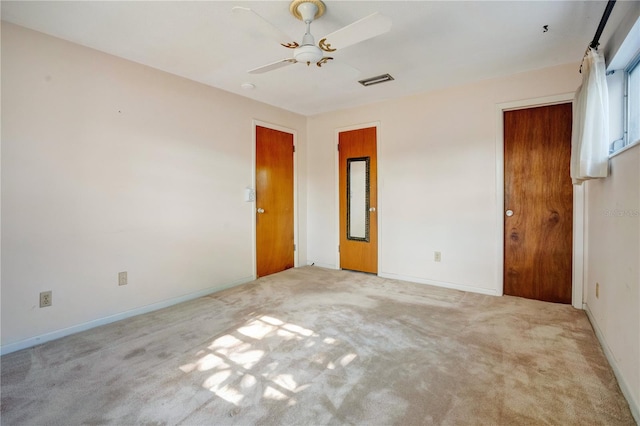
[577, 275]
[337, 132]
[255, 123]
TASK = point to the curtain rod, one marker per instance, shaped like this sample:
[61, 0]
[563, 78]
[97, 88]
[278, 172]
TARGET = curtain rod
[603, 22]
[596, 38]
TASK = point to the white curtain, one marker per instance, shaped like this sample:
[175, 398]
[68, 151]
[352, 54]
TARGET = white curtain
[590, 134]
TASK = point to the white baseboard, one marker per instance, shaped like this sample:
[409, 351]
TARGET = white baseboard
[47, 337]
[624, 386]
[462, 287]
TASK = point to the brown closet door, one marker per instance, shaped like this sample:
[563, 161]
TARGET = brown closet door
[274, 201]
[538, 201]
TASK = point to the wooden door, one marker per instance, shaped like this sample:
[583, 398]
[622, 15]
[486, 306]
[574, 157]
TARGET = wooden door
[358, 200]
[538, 201]
[274, 201]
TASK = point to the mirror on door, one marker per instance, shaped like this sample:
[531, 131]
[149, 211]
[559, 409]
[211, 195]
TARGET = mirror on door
[358, 199]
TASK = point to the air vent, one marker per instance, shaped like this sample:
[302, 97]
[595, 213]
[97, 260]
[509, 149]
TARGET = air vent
[376, 80]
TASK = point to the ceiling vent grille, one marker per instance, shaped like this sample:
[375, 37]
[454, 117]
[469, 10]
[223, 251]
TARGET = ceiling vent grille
[376, 80]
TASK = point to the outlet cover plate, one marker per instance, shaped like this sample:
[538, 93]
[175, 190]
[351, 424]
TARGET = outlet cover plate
[122, 278]
[46, 299]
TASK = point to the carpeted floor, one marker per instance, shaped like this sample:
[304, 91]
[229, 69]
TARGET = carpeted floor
[314, 346]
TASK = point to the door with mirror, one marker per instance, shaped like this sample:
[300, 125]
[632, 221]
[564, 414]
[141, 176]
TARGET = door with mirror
[358, 200]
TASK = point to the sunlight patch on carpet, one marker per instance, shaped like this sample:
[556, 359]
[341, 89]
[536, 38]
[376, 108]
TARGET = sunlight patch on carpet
[238, 369]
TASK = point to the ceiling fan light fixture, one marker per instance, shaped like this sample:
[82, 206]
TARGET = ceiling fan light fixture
[307, 53]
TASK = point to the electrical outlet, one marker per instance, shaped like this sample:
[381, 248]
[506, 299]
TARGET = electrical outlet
[597, 290]
[122, 278]
[437, 256]
[45, 299]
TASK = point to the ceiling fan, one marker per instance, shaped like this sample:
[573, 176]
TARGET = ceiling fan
[307, 52]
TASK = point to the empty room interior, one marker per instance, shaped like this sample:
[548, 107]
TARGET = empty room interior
[320, 212]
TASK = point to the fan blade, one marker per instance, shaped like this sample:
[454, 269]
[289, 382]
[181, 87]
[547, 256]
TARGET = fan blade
[258, 27]
[361, 30]
[272, 66]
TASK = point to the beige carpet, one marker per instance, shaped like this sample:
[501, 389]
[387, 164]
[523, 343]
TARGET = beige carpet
[314, 346]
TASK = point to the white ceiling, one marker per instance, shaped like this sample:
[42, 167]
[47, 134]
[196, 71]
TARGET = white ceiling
[431, 45]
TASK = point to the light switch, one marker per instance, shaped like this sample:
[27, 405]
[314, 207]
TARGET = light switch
[249, 194]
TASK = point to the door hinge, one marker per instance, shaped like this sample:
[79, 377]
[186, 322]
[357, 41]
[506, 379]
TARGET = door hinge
[294, 148]
[338, 249]
[294, 247]
[338, 147]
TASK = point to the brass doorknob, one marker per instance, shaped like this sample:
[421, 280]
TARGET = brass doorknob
[260, 211]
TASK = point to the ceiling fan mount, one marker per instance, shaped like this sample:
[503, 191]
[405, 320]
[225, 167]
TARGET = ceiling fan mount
[307, 9]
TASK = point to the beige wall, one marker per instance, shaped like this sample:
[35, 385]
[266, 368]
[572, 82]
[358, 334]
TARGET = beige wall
[613, 259]
[612, 230]
[111, 166]
[437, 179]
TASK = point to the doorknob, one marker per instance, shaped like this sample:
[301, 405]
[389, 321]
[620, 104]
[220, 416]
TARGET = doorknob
[260, 211]
[509, 213]
[372, 209]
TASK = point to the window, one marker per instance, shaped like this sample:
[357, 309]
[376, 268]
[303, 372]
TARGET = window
[623, 81]
[626, 90]
[632, 127]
